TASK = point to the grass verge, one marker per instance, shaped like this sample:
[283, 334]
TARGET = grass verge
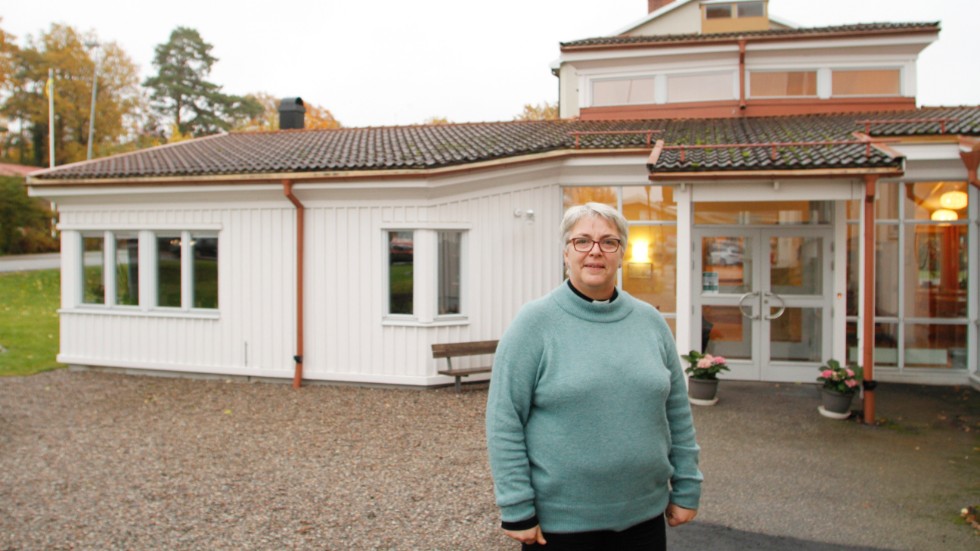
[29, 321]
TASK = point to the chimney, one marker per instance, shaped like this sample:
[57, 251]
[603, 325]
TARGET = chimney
[292, 114]
[655, 5]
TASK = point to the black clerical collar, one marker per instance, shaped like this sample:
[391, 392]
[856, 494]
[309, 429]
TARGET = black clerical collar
[590, 299]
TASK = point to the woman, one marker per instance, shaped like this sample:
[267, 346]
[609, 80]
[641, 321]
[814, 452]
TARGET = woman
[589, 430]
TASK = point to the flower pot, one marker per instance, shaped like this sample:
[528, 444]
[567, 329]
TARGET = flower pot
[702, 392]
[835, 405]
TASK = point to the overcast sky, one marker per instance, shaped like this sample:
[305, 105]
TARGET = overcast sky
[386, 62]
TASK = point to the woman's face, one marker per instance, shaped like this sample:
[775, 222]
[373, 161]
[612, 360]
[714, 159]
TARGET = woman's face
[593, 272]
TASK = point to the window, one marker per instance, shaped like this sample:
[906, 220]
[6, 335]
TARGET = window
[127, 269]
[778, 84]
[751, 9]
[449, 271]
[702, 87]
[880, 82]
[623, 91]
[921, 272]
[401, 265]
[181, 270]
[718, 11]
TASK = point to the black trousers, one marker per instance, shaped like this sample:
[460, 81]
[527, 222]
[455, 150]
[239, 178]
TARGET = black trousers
[650, 535]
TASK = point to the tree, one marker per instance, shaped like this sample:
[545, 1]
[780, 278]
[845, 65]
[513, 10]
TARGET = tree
[540, 112]
[23, 221]
[63, 49]
[436, 120]
[317, 118]
[181, 91]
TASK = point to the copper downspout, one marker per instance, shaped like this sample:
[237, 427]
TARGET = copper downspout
[741, 74]
[868, 323]
[287, 189]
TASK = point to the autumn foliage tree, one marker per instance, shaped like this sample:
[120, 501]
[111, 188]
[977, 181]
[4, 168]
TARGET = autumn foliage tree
[64, 50]
[317, 117]
[539, 112]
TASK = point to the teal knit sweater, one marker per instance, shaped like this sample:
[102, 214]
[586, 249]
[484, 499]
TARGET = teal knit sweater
[588, 423]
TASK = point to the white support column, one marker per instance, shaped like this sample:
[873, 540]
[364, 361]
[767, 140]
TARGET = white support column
[148, 271]
[683, 196]
[839, 299]
[109, 267]
[186, 271]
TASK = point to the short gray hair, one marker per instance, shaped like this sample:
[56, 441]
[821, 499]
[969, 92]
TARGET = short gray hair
[578, 212]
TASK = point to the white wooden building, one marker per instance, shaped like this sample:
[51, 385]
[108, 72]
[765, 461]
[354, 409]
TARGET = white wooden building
[353, 250]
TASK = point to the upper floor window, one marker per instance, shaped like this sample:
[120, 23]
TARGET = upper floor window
[626, 91]
[779, 84]
[866, 82]
[733, 10]
[701, 87]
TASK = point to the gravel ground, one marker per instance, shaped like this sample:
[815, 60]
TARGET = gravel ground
[92, 460]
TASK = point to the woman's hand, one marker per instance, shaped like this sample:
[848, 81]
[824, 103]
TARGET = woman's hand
[677, 515]
[529, 536]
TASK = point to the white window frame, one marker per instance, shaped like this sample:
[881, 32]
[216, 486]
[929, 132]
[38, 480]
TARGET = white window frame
[425, 280]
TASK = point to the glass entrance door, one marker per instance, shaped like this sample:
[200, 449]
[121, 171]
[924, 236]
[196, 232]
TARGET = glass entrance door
[763, 300]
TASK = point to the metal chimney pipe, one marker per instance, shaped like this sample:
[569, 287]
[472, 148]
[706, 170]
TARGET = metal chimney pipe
[292, 114]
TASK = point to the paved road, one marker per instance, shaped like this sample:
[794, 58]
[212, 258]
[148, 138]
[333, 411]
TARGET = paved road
[28, 262]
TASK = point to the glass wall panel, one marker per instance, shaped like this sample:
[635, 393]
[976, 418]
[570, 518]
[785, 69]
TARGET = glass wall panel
[401, 282]
[205, 254]
[796, 265]
[935, 346]
[886, 344]
[93, 285]
[780, 84]
[709, 87]
[449, 272]
[572, 196]
[623, 91]
[887, 269]
[768, 213]
[924, 200]
[127, 270]
[650, 266]
[853, 269]
[730, 259]
[168, 271]
[649, 203]
[883, 82]
[936, 271]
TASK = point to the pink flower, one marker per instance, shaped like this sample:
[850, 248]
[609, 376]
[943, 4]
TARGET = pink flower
[850, 373]
[718, 360]
[704, 362]
[826, 373]
[851, 383]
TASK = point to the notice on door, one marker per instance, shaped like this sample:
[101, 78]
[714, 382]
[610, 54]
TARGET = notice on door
[709, 282]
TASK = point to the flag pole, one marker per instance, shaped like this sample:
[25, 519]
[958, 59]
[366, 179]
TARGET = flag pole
[49, 88]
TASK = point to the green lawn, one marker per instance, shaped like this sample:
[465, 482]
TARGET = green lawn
[29, 322]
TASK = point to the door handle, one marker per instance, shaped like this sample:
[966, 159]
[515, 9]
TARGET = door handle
[741, 305]
[782, 306]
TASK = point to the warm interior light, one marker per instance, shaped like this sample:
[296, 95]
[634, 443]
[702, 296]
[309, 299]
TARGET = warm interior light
[953, 200]
[943, 215]
[640, 252]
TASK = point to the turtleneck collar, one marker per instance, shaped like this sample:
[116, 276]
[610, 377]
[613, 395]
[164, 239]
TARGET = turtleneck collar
[605, 311]
[582, 295]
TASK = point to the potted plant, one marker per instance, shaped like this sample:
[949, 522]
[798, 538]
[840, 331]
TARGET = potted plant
[702, 380]
[840, 384]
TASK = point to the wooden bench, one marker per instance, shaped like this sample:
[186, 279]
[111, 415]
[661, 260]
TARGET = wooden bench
[458, 349]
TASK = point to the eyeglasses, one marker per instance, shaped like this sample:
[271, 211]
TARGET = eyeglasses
[606, 244]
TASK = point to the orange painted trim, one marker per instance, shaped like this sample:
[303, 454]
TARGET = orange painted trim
[868, 323]
[287, 189]
[717, 175]
[753, 108]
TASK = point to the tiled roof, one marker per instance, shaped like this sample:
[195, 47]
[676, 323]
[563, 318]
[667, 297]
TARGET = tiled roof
[413, 148]
[772, 34]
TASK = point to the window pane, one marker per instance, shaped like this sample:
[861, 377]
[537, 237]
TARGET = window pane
[168, 271]
[796, 335]
[127, 270]
[924, 199]
[650, 266]
[866, 83]
[572, 196]
[783, 212]
[783, 84]
[716, 86]
[649, 203]
[934, 345]
[449, 271]
[750, 9]
[723, 11]
[853, 269]
[401, 253]
[622, 92]
[887, 268]
[886, 344]
[92, 261]
[205, 253]
[936, 270]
